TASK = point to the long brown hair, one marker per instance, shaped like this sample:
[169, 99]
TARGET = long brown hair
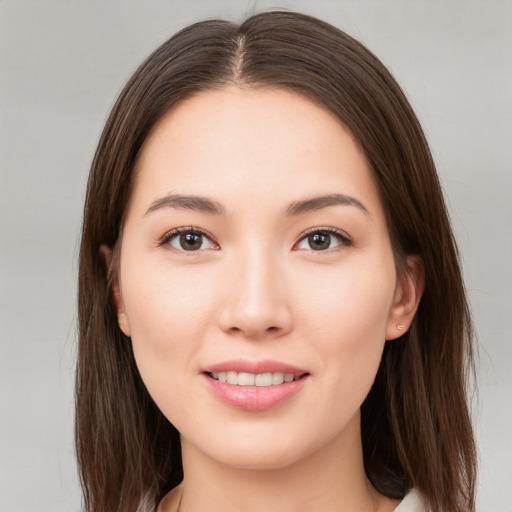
[416, 428]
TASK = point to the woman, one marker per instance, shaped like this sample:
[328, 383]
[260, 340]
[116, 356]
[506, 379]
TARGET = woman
[271, 307]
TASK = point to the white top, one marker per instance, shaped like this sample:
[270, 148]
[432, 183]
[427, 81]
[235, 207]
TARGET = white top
[411, 503]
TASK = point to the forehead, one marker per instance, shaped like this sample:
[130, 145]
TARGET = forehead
[252, 142]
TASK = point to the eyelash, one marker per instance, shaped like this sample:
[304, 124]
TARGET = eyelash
[343, 239]
[169, 236]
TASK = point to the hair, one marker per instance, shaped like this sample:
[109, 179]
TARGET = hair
[415, 422]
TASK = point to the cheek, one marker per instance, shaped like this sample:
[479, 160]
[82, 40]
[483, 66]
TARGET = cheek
[353, 303]
[346, 314]
[170, 313]
[165, 305]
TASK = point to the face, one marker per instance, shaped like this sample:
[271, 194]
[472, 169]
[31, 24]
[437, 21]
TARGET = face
[256, 277]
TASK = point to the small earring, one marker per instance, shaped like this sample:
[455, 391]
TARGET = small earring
[399, 327]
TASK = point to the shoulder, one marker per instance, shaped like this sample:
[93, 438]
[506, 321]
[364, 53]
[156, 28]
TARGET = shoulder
[412, 503]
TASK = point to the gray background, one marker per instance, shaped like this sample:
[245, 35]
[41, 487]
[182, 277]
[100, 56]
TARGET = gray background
[62, 63]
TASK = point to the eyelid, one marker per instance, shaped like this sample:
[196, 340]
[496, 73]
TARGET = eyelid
[345, 240]
[167, 237]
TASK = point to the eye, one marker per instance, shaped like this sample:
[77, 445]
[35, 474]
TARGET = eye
[322, 240]
[188, 239]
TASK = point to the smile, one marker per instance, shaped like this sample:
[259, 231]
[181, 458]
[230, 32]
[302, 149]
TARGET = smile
[254, 386]
[250, 379]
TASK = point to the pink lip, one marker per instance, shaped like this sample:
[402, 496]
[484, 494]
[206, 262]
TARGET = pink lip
[267, 366]
[254, 398]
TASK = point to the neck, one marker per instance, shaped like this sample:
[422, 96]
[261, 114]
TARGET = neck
[331, 479]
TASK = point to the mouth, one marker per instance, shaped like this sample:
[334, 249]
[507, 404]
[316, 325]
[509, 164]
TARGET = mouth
[255, 386]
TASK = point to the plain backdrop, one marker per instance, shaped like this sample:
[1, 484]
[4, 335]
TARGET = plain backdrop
[62, 64]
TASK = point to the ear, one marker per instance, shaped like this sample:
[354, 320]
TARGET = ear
[408, 293]
[122, 318]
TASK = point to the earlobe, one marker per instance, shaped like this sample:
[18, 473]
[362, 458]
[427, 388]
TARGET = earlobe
[408, 294]
[122, 318]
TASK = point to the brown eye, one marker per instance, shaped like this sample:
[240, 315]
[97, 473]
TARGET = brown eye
[319, 241]
[322, 240]
[190, 241]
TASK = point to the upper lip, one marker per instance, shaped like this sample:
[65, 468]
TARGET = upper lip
[256, 367]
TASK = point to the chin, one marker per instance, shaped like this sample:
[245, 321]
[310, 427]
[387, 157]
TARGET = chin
[259, 459]
[263, 452]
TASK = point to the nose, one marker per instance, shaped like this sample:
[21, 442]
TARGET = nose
[255, 304]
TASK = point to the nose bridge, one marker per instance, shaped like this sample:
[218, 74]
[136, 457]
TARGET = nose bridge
[258, 275]
[256, 303]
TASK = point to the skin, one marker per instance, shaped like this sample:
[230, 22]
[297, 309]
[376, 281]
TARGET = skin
[255, 290]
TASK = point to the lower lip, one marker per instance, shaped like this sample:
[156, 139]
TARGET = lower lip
[255, 398]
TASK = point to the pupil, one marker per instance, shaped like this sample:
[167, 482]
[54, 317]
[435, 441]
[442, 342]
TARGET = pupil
[191, 241]
[319, 241]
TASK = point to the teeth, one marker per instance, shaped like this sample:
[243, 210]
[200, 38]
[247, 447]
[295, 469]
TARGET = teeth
[246, 379]
[263, 379]
[250, 379]
[277, 378]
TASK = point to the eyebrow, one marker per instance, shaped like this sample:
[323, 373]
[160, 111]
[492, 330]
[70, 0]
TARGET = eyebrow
[317, 203]
[197, 203]
[205, 204]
